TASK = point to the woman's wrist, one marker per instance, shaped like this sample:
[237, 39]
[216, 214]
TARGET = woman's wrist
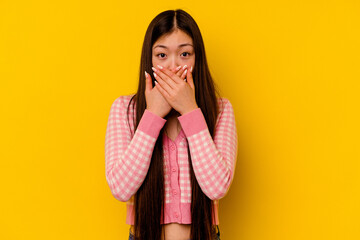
[189, 110]
[155, 112]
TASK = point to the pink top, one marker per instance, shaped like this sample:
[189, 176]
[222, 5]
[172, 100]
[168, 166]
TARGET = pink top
[127, 158]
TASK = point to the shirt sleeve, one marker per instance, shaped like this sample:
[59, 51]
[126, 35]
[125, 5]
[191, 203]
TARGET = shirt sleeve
[213, 160]
[127, 159]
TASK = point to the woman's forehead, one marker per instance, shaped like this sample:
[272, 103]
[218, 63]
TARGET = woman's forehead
[175, 39]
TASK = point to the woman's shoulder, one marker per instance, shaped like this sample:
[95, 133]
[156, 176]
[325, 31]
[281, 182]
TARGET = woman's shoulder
[123, 100]
[223, 99]
[223, 102]
[125, 97]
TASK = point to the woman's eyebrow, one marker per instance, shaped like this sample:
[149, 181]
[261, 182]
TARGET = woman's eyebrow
[180, 46]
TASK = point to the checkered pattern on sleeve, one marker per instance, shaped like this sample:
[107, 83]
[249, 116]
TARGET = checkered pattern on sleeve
[214, 159]
[127, 159]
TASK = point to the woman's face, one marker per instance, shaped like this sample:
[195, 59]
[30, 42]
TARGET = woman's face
[173, 50]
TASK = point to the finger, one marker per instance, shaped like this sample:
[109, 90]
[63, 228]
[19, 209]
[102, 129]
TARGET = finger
[163, 84]
[184, 73]
[161, 90]
[178, 70]
[189, 78]
[167, 78]
[170, 75]
[180, 73]
[148, 85]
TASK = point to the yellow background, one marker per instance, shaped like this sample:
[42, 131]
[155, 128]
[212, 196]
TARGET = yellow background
[290, 69]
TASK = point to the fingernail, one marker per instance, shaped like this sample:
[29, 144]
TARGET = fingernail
[146, 74]
[160, 66]
[155, 75]
[156, 82]
[185, 66]
[154, 69]
[191, 69]
[185, 71]
[178, 68]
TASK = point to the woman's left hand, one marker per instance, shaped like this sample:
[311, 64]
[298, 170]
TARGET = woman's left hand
[179, 94]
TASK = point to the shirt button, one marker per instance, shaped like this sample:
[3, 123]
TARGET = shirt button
[175, 192]
[176, 215]
[172, 147]
[174, 170]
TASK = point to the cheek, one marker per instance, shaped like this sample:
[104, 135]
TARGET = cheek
[192, 62]
[188, 61]
[154, 62]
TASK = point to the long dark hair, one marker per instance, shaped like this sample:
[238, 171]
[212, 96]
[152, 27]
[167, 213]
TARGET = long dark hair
[149, 199]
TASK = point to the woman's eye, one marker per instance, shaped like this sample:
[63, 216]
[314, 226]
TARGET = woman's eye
[186, 52]
[162, 54]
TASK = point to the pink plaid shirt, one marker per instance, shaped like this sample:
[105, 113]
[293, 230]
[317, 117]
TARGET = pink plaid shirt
[128, 156]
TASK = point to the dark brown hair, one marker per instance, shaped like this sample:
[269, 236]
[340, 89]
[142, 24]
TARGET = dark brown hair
[149, 199]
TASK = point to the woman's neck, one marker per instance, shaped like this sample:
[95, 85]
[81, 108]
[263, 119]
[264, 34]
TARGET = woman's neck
[173, 114]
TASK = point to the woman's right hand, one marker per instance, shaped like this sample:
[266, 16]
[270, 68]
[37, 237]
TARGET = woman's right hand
[155, 102]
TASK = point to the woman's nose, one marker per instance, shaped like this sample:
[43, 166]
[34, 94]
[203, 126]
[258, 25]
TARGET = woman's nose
[173, 65]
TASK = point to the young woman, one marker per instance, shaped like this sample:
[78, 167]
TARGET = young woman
[171, 148]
